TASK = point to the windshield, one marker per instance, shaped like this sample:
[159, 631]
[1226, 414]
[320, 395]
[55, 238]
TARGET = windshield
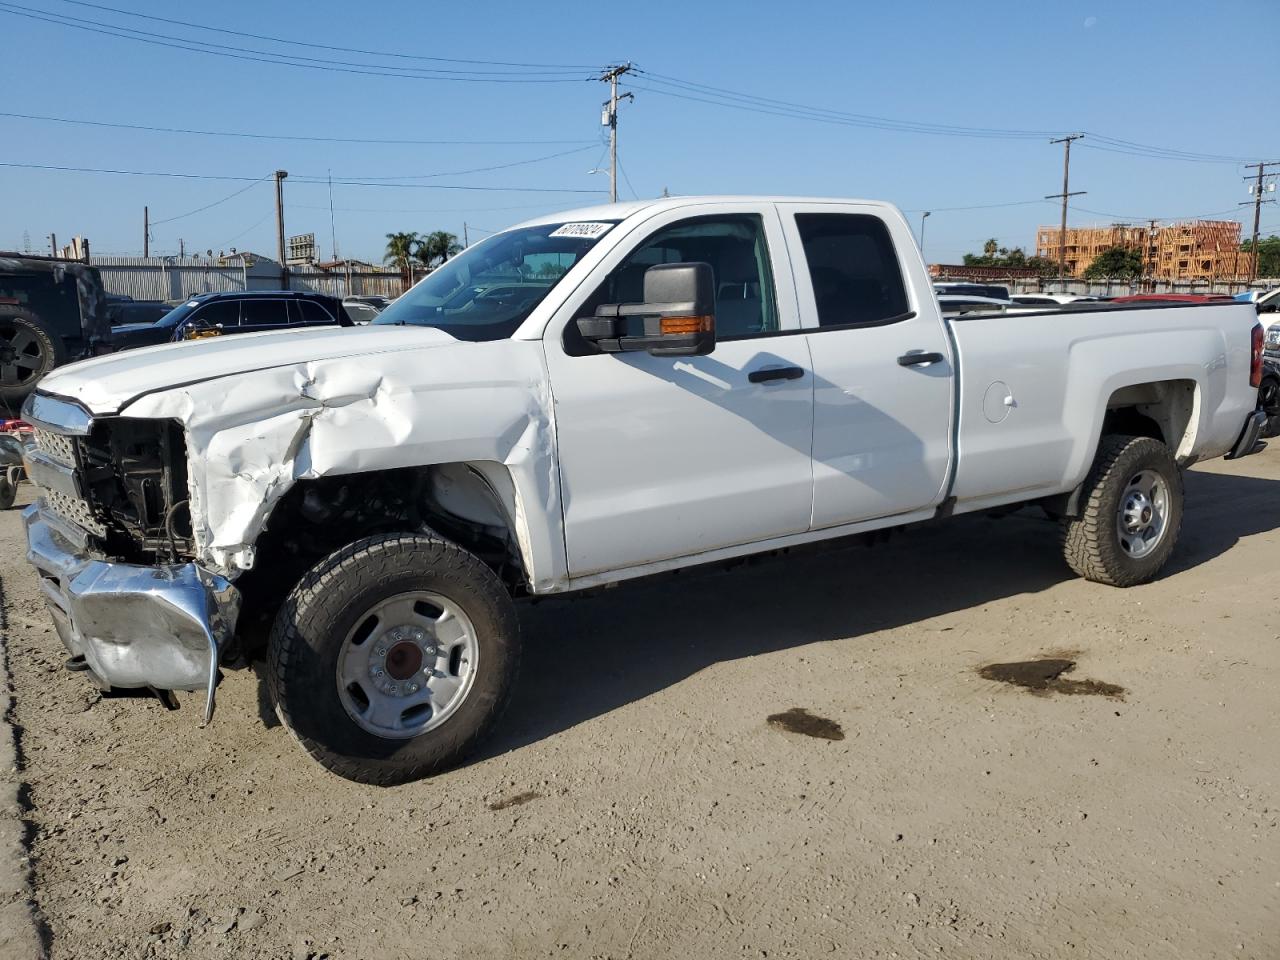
[177, 314]
[486, 292]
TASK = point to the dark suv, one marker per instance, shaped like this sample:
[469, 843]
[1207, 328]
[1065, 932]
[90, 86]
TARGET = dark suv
[251, 311]
[51, 312]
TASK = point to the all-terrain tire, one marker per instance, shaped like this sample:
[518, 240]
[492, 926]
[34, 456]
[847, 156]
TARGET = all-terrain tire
[321, 612]
[28, 351]
[1269, 403]
[8, 492]
[1091, 542]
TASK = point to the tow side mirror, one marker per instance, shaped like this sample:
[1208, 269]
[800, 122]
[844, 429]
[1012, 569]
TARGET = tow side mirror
[678, 313]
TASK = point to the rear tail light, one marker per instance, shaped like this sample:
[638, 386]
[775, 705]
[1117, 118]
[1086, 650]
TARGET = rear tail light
[1255, 357]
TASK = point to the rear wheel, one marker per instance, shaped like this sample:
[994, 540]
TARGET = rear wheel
[28, 350]
[393, 657]
[1131, 513]
[8, 492]
[1269, 403]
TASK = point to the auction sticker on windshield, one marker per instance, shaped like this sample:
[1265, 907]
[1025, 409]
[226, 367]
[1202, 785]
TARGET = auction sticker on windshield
[590, 231]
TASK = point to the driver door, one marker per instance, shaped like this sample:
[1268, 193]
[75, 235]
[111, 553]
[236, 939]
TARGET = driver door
[664, 457]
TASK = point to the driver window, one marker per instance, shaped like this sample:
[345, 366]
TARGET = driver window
[735, 247]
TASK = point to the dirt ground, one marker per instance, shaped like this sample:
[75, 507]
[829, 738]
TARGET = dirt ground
[807, 756]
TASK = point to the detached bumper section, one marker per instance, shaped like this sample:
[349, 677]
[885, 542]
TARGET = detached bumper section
[1249, 437]
[135, 626]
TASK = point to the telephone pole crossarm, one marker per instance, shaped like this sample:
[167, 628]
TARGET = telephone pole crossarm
[610, 118]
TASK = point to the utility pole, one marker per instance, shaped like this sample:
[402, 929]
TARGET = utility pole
[1150, 259]
[284, 268]
[53, 244]
[1257, 210]
[465, 241]
[1065, 194]
[182, 248]
[610, 119]
[146, 231]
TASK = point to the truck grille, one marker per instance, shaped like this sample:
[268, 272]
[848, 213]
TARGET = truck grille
[57, 446]
[71, 509]
[75, 511]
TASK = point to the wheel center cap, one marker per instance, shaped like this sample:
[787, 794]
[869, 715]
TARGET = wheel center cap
[404, 659]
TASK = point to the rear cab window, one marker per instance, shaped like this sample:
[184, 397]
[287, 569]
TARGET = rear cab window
[853, 266]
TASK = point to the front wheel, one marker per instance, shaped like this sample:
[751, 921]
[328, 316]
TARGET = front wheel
[393, 657]
[1131, 513]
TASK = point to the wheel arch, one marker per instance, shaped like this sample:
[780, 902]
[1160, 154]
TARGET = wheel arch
[477, 504]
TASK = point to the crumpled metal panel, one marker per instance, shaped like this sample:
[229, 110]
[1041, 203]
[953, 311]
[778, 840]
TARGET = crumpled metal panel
[251, 436]
[136, 626]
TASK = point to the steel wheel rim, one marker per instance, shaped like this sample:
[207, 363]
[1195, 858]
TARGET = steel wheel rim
[1142, 518]
[407, 665]
[18, 365]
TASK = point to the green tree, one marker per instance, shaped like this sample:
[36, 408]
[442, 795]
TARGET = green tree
[437, 247]
[1121, 263]
[400, 249]
[1268, 256]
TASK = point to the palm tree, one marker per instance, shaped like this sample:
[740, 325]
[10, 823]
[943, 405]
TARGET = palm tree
[400, 248]
[437, 247]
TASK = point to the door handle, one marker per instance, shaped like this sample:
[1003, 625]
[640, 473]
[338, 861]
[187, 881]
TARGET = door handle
[919, 359]
[769, 374]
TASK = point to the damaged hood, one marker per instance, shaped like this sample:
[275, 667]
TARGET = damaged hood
[110, 383]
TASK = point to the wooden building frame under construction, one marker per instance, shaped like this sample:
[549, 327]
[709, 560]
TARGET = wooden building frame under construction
[1183, 250]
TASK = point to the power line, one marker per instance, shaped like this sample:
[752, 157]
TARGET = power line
[316, 206]
[499, 166]
[978, 206]
[311, 180]
[287, 60]
[209, 206]
[721, 96]
[282, 136]
[325, 46]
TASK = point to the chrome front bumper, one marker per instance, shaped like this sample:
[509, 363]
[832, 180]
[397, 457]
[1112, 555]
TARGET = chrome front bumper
[135, 626]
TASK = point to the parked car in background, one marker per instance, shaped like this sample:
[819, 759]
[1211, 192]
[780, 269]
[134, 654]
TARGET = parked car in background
[124, 310]
[956, 304]
[360, 312]
[52, 311]
[996, 291]
[1049, 299]
[219, 314]
[373, 300]
[1269, 393]
[1173, 298]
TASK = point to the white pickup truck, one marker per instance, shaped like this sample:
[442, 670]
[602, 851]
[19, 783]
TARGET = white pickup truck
[582, 399]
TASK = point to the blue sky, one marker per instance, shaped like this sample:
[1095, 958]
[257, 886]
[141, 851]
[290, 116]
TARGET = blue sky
[1174, 75]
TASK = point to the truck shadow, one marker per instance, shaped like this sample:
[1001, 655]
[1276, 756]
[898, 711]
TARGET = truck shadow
[588, 656]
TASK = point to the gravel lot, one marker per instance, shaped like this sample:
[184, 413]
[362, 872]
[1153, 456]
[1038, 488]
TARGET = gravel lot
[638, 802]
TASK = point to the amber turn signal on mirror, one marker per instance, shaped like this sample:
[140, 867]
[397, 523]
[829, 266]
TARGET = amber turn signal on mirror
[676, 325]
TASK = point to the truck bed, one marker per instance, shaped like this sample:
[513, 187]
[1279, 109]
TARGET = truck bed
[1029, 383]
